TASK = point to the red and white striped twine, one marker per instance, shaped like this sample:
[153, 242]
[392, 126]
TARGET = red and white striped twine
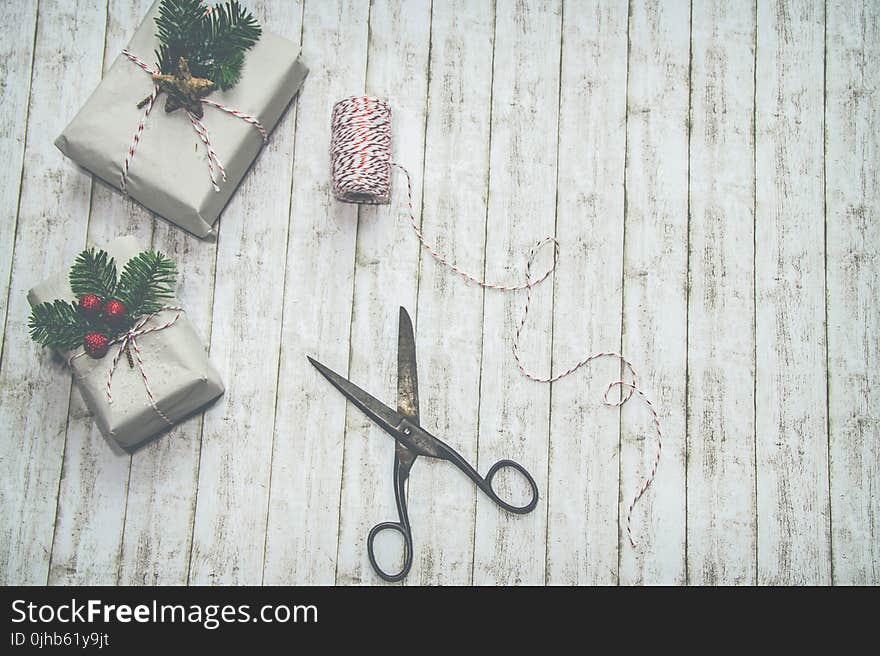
[360, 156]
[360, 150]
[198, 126]
[129, 340]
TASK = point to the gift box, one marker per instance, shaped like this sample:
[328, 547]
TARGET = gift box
[169, 167]
[169, 377]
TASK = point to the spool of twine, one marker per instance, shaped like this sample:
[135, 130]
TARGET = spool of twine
[360, 150]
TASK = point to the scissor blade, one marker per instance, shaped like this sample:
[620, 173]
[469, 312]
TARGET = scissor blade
[366, 402]
[407, 373]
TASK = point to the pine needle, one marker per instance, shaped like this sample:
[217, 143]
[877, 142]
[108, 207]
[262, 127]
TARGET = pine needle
[93, 273]
[212, 42]
[57, 325]
[146, 283]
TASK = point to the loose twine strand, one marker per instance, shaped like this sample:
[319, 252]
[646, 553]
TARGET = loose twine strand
[361, 164]
[127, 343]
[199, 127]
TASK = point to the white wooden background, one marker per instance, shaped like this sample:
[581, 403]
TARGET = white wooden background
[711, 171]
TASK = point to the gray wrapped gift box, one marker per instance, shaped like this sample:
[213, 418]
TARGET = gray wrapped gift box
[180, 375]
[169, 171]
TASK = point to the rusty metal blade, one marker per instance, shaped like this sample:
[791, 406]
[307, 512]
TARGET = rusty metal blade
[407, 373]
[387, 418]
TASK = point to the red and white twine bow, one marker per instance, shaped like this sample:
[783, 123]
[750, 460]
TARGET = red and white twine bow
[361, 165]
[198, 126]
[128, 343]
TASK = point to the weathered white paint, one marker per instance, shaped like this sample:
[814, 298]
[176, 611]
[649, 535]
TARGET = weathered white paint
[721, 314]
[791, 402]
[16, 58]
[584, 435]
[53, 214]
[132, 519]
[449, 330]
[236, 453]
[307, 457]
[386, 278]
[514, 411]
[163, 482]
[93, 492]
[655, 288]
[852, 150]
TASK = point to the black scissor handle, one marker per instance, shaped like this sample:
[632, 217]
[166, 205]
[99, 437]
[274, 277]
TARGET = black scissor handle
[490, 491]
[485, 482]
[401, 474]
[407, 550]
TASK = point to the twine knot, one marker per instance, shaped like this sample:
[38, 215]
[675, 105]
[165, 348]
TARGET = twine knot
[128, 343]
[184, 91]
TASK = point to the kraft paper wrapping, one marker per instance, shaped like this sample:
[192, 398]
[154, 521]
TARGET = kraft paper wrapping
[169, 171]
[180, 374]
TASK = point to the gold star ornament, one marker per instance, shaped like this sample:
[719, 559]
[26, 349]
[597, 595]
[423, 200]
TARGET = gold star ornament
[183, 89]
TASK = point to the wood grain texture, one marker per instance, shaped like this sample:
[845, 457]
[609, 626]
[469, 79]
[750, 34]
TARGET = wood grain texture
[386, 278]
[236, 454]
[514, 411]
[449, 329]
[158, 484]
[163, 482]
[16, 59]
[584, 435]
[721, 522]
[852, 150]
[655, 288]
[301, 539]
[53, 212]
[92, 496]
[604, 121]
[792, 441]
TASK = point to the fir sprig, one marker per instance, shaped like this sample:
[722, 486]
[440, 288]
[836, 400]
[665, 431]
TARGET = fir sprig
[144, 286]
[93, 273]
[212, 40]
[58, 325]
[145, 283]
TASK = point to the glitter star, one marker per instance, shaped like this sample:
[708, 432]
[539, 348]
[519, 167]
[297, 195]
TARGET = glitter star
[183, 89]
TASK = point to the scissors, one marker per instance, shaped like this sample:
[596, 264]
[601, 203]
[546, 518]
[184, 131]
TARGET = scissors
[413, 441]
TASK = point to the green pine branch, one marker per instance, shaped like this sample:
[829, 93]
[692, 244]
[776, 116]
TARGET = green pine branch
[212, 42]
[93, 273]
[146, 283]
[58, 325]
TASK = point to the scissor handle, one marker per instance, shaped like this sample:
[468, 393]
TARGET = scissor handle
[401, 473]
[487, 488]
[485, 482]
[404, 530]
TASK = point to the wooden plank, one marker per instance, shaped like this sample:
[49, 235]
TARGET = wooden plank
[449, 328]
[722, 531]
[584, 435]
[163, 483]
[92, 497]
[514, 411]
[386, 277]
[233, 489]
[852, 148]
[655, 288]
[157, 519]
[307, 455]
[793, 502]
[16, 59]
[53, 214]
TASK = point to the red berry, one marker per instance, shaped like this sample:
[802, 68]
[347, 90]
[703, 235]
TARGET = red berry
[114, 311]
[90, 305]
[96, 345]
